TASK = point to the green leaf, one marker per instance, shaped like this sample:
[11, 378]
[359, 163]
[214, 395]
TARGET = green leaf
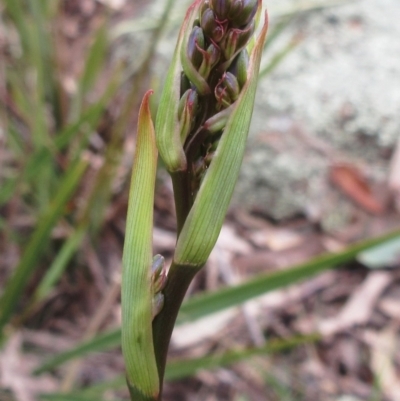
[205, 304]
[203, 224]
[102, 342]
[67, 397]
[95, 60]
[87, 121]
[59, 264]
[136, 291]
[93, 65]
[181, 368]
[184, 368]
[279, 57]
[91, 393]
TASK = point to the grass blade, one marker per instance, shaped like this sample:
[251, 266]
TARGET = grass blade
[278, 58]
[93, 65]
[101, 342]
[180, 369]
[59, 264]
[205, 304]
[68, 397]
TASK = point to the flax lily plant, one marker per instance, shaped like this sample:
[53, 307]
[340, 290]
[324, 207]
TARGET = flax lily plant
[200, 132]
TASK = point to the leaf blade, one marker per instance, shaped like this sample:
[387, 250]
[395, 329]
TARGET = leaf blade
[136, 289]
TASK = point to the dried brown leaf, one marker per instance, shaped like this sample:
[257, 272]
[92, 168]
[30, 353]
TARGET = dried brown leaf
[354, 185]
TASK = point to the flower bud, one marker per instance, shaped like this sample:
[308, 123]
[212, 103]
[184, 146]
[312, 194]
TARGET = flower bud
[236, 39]
[191, 56]
[157, 304]
[195, 43]
[221, 8]
[227, 90]
[239, 67]
[205, 6]
[235, 9]
[210, 58]
[212, 27]
[217, 122]
[186, 112]
[158, 273]
[242, 12]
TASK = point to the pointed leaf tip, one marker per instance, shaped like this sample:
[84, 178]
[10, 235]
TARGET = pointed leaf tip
[136, 292]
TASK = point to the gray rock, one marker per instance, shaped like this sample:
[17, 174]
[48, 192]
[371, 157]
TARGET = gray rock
[335, 98]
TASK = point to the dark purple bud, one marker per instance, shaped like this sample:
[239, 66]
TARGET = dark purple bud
[235, 9]
[232, 85]
[236, 39]
[187, 112]
[221, 8]
[187, 101]
[195, 43]
[212, 28]
[246, 13]
[226, 91]
[245, 35]
[205, 6]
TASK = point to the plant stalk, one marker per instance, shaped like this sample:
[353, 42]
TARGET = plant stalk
[182, 196]
[179, 279]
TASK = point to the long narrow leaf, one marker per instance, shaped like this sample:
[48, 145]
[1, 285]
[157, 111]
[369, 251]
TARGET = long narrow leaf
[68, 397]
[179, 369]
[59, 264]
[205, 304]
[101, 342]
[184, 368]
[136, 288]
[278, 58]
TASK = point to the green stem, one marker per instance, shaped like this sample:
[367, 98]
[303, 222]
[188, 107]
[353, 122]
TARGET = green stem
[182, 197]
[179, 279]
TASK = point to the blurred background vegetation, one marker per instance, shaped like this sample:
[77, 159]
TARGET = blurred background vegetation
[72, 74]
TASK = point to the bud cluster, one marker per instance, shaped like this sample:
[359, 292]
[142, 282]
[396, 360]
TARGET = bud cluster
[214, 62]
